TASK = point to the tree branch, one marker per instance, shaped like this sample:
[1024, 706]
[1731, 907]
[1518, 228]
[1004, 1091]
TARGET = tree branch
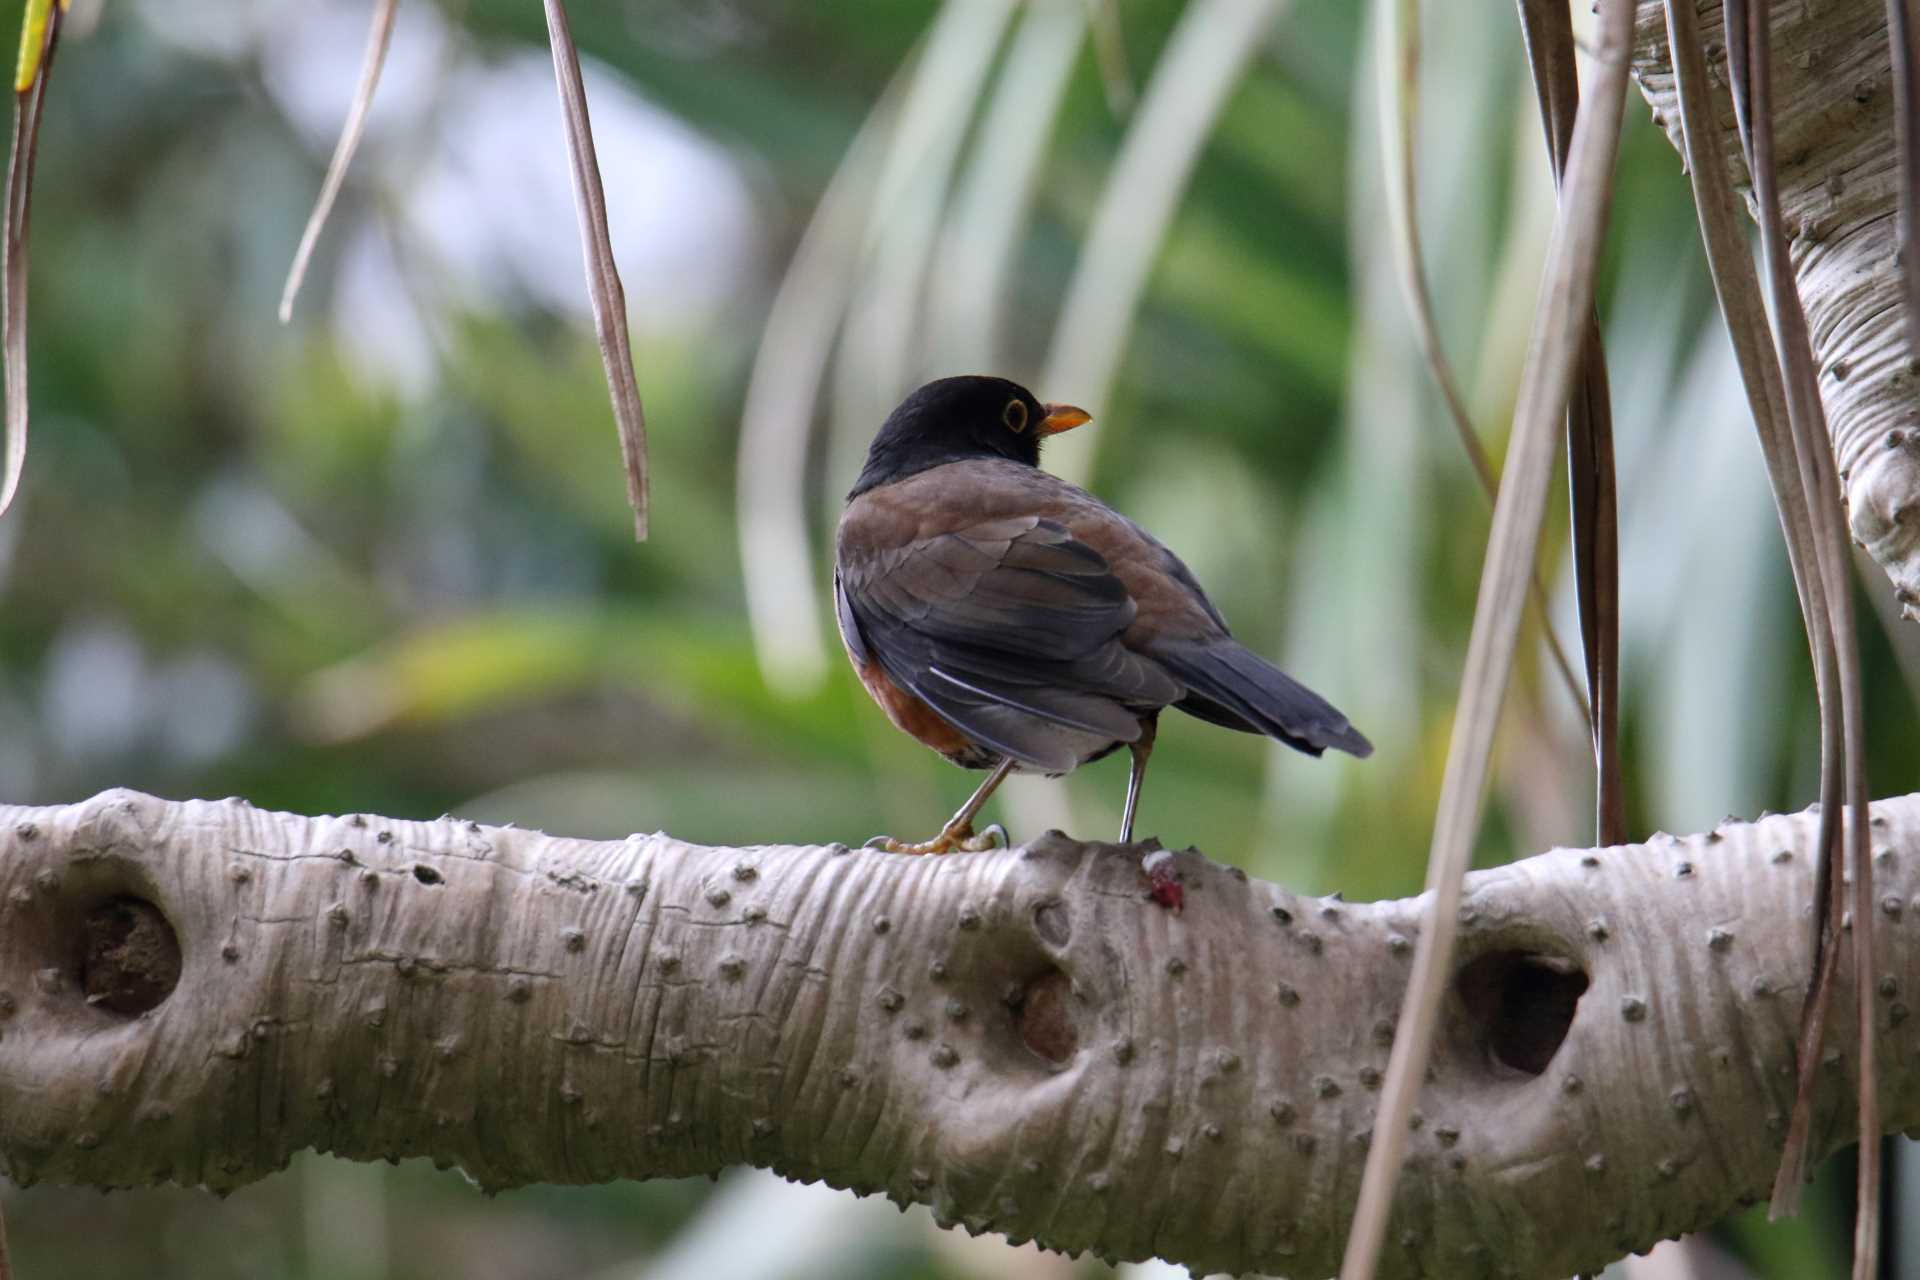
[194, 991]
[1839, 177]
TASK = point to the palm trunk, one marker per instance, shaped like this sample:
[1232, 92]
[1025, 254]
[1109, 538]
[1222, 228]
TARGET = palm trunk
[1839, 195]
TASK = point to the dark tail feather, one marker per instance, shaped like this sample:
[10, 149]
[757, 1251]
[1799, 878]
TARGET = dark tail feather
[1235, 687]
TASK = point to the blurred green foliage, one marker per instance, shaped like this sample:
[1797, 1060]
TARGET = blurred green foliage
[251, 560]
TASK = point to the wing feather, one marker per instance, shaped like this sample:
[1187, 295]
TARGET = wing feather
[1010, 630]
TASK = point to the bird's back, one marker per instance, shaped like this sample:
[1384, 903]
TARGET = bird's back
[1165, 622]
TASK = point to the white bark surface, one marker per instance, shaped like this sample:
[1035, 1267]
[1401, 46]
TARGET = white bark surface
[1839, 184]
[1021, 1039]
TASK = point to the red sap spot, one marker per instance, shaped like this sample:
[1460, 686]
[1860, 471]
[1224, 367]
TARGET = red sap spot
[1163, 881]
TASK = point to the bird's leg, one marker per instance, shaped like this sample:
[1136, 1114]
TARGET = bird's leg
[1149, 726]
[957, 835]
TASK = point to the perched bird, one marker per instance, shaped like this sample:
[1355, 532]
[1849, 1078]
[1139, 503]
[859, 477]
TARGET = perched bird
[1011, 621]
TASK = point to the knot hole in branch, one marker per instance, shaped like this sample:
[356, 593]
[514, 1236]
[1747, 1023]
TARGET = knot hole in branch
[1052, 924]
[87, 939]
[129, 956]
[1043, 1014]
[1045, 1017]
[1518, 1008]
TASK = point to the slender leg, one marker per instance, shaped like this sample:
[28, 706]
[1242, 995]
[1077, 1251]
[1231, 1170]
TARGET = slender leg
[961, 823]
[1141, 750]
[958, 833]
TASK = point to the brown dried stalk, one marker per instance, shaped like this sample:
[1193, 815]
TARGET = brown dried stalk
[28, 103]
[603, 276]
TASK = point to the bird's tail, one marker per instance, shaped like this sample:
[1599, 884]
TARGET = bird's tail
[1231, 685]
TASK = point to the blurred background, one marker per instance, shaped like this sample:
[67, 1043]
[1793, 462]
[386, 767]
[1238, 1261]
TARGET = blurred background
[380, 559]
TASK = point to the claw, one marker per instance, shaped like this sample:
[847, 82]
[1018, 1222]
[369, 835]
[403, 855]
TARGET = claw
[994, 837]
[960, 839]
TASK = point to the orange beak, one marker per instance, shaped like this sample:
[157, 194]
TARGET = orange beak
[1062, 417]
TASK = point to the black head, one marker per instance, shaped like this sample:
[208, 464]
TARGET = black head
[958, 418]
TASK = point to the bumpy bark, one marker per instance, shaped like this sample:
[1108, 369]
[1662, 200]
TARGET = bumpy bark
[1839, 183]
[1025, 1040]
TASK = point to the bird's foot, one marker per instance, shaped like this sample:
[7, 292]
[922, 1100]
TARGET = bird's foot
[952, 839]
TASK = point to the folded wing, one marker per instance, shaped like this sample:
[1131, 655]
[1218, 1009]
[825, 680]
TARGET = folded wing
[1010, 630]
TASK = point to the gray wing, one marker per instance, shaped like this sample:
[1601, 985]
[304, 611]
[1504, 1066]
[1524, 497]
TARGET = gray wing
[1010, 630]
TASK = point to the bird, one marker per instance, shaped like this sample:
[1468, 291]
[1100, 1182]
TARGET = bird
[1012, 621]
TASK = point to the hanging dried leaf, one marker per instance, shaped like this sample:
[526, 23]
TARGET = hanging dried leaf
[1564, 309]
[1593, 498]
[1750, 330]
[603, 277]
[37, 43]
[1749, 61]
[1738, 288]
[379, 36]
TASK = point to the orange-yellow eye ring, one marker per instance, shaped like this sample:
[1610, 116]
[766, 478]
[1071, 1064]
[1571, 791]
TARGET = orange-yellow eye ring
[1015, 416]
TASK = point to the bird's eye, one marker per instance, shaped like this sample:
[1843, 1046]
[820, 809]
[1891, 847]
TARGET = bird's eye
[1015, 415]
